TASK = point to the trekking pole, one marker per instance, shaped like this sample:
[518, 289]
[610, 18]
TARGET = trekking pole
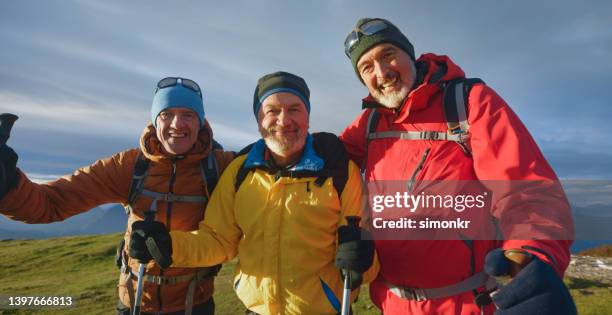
[6, 123]
[149, 217]
[346, 293]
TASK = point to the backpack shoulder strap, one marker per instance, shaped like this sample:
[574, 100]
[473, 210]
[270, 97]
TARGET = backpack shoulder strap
[456, 94]
[209, 168]
[141, 166]
[329, 147]
[372, 123]
[455, 98]
[242, 172]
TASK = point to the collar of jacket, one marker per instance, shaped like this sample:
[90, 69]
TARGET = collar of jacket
[431, 70]
[152, 149]
[310, 161]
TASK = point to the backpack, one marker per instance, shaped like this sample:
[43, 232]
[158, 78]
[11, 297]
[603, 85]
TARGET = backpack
[210, 176]
[455, 96]
[327, 146]
[455, 101]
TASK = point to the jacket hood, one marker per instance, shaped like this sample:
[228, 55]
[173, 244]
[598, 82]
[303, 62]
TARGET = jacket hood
[151, 147]
[431, 69]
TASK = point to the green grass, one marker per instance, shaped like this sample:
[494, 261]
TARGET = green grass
[83, 267]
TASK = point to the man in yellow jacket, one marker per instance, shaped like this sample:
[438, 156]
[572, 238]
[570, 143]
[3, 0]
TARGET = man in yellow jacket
[278, 207]
[165, 174]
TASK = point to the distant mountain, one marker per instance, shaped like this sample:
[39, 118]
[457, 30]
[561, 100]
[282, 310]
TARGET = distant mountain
[593, 225]
[105, 219]
[593, 222]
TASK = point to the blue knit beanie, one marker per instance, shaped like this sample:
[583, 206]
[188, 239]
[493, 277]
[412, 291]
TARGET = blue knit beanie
[177, 96]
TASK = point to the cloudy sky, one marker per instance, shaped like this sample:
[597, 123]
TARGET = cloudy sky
[81, 73]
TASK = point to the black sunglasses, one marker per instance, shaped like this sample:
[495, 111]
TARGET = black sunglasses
[171, 81]
[369, 28]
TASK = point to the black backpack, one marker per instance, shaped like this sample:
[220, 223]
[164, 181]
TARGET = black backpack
[327, 146]
[455, 96]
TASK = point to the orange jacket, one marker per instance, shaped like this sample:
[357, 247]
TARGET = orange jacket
[108, 181]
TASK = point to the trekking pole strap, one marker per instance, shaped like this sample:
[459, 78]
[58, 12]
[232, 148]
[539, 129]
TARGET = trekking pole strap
[416, 294]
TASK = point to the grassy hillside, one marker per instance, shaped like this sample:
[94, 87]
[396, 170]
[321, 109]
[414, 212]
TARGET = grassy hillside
[83, 267]
[599, 251]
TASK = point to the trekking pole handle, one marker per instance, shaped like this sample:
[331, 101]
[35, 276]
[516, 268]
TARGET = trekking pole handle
[149, 216]
[6, 124]
[346, 292]
[353, 220]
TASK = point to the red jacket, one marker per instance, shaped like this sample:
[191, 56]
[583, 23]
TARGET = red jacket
[502, 150]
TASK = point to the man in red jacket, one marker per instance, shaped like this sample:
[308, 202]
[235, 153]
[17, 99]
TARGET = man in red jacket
[407, 134]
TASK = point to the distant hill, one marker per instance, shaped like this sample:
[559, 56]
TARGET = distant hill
[83, 267]
[599, 251]
[593, 225]
[105, 219]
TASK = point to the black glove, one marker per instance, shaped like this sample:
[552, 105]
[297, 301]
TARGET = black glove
[536, 289]
[151, 240]
[354, 253]
[8, 170]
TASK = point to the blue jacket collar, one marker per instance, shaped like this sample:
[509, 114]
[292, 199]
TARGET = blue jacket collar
[310, 161]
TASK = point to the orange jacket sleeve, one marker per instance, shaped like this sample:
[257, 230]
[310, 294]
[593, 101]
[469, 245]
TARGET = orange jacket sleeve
[105, 181]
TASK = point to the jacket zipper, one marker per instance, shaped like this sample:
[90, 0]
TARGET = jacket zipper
[417, 169]
[168, 215]
[170, 191]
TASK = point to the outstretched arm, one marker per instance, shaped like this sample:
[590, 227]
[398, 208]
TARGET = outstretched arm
[105, 181]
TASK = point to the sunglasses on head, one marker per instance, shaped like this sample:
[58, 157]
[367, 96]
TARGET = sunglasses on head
[171, 81]
[369, 28]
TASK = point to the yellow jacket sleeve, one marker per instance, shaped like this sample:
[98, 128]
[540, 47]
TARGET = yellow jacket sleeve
[216, 240]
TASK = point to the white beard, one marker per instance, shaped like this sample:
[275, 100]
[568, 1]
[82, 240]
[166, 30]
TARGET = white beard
[391, 100]
[395, 99]
[284, 147]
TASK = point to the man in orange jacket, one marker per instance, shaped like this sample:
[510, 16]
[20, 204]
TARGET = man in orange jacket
[169, 174]
[424, 123]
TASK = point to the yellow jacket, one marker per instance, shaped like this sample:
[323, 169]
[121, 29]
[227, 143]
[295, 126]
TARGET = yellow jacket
[284, 232]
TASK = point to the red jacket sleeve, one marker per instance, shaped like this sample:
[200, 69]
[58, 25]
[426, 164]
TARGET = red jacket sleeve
[105, 181]
[354, 139]
[528, 199]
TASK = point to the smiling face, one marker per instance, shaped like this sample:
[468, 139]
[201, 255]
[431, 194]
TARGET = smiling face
[388, 73]
[177, 130]
[283, 124]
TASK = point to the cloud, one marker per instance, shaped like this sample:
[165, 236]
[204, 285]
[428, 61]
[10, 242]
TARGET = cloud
[68, 115]
[88, 68]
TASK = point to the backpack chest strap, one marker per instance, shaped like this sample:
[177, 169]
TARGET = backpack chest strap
[170, 197]
[419, 135]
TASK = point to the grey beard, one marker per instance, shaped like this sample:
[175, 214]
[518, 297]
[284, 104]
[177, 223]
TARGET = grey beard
[283, 148]
[393, 100]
